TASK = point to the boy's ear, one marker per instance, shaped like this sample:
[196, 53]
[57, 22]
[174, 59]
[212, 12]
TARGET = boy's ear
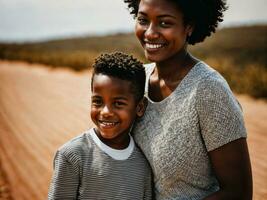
[141, 107]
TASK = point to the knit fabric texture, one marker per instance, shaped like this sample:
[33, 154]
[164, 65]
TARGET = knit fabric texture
[177, 133]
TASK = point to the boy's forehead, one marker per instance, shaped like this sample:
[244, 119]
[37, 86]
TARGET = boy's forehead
[110, 78]
[102, 81]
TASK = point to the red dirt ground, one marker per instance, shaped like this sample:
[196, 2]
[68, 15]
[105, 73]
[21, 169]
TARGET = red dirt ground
[42, 108]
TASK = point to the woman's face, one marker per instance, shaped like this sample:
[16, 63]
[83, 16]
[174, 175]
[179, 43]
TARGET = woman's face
[160, 29]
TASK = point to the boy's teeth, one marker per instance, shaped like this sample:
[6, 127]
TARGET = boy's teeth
[153, 46]
[108, 123]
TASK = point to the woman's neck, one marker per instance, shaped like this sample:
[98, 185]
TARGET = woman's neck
[176, 67]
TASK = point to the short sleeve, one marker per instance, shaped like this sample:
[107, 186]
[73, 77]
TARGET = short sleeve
[220, 115]
[65, 180]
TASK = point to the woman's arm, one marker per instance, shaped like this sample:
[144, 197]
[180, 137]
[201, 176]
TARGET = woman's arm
[232, 167]
[224, 134]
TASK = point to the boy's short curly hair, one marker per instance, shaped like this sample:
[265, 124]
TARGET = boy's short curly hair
[204, 15]
[122, 66]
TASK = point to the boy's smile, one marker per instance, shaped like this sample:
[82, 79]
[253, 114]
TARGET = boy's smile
[107, 124]
[113, 109]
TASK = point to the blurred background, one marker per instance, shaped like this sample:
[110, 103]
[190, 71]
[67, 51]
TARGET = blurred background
[46, 50]
[35, 20]
[68, 33]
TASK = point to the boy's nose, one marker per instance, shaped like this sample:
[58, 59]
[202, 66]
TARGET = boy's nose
[106, 111]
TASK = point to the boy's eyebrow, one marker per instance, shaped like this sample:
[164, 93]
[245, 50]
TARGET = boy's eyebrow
[116, 98]
[121, 98]
[95, 96]
[160, 16]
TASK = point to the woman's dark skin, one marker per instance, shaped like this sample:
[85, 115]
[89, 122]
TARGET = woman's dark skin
[231, 164]
[160, 23]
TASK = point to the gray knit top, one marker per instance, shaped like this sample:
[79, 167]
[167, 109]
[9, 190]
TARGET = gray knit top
[177, 133]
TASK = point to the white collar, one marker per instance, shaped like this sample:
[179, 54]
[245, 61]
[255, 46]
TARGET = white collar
[117, 154]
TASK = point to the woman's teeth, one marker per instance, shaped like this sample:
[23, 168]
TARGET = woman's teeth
[153, 46]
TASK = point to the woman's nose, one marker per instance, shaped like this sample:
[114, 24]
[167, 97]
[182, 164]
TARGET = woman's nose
[151, 32]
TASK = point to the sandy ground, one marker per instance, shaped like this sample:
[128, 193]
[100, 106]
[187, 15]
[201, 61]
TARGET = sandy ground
[41, 108]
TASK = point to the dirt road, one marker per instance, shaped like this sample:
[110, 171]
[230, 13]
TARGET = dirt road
[41, 108]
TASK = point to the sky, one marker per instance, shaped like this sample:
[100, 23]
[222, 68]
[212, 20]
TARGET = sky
[36, 20]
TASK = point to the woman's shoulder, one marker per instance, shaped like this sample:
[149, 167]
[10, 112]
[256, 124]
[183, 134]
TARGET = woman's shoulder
[212, 81]
[214, 89]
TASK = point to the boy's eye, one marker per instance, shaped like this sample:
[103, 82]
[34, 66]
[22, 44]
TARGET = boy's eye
[97, 102]
[119, 103]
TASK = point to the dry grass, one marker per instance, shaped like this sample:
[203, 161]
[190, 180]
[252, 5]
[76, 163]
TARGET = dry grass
[240, 54]
[251, 80]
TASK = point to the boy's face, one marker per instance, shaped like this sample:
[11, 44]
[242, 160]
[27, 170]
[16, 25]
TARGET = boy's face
[113, 107]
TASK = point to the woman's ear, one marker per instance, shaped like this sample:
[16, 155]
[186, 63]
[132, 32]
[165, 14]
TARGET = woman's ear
[189, 29]
[141, 107]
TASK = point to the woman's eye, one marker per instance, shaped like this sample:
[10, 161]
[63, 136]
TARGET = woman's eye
[142, 20]
[165, 24]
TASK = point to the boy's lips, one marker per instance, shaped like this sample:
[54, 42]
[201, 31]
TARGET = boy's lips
[107, 124]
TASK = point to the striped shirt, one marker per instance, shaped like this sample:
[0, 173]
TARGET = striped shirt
[86, 168]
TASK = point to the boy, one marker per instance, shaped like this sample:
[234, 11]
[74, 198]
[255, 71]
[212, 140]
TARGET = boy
[103, 162]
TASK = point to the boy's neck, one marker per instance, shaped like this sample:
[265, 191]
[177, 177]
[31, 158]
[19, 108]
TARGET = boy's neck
[118, 143]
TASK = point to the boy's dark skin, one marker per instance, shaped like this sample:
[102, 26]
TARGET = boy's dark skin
[114, 109]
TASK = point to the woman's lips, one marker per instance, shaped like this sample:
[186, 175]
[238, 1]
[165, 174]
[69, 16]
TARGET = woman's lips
[153, 46]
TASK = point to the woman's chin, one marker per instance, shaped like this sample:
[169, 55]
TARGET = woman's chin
[152, 58]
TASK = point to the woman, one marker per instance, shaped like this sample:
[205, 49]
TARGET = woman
[193, 131]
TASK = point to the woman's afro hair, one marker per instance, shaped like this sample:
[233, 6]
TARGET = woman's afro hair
[204, 15]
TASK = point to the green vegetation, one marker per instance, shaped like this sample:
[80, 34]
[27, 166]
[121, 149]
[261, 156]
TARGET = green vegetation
[238, 53]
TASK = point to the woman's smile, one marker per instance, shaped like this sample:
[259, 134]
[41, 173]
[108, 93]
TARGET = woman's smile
[150, 46]
[160, 29]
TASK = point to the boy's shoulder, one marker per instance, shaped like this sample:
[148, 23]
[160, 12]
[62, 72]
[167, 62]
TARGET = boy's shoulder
[77, 146]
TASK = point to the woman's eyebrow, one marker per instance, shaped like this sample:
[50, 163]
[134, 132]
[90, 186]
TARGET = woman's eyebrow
[163, 16]
[160, 16]
[141, 13]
